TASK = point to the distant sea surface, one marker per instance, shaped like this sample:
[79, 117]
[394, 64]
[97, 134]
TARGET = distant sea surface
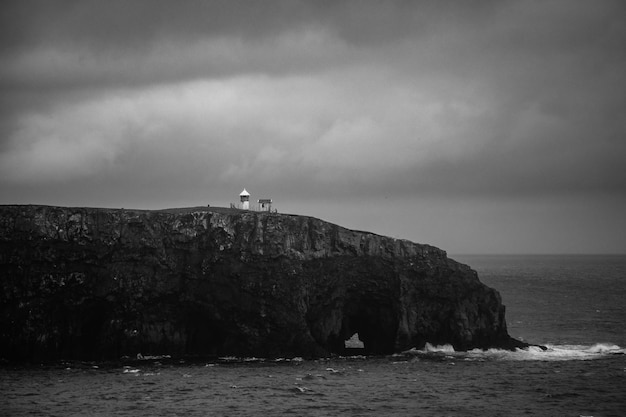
[559, 299]
[575, 305]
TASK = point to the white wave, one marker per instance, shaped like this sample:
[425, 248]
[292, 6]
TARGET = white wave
[253, 359]
[152, 357]
[553, 352]
[606, 348]
[429, 348]
[439, 348]
[532, 353]
[227, 358]
[582, 352]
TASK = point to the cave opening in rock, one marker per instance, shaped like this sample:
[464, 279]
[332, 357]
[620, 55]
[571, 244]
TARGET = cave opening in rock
[367, 330]
[354, 343]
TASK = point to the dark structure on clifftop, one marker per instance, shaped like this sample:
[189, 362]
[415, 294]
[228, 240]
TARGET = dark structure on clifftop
[101, 283]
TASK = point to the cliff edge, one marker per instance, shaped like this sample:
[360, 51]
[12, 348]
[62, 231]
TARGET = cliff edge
[90, 283]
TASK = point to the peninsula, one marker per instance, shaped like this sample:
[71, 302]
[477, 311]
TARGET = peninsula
[96, 283]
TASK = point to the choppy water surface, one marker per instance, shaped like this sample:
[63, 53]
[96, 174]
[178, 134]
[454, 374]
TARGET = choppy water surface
[574, 306]
[559, 299]
[425, 384]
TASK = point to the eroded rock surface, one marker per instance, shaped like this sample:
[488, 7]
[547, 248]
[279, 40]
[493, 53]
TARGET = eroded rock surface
[94, 283]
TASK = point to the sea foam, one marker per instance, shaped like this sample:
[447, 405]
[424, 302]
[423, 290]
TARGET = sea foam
[531, 353]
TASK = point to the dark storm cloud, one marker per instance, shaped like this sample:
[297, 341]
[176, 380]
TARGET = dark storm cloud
[135, 42]
[148, 101]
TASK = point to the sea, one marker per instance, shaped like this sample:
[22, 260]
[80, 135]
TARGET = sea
[574, 305]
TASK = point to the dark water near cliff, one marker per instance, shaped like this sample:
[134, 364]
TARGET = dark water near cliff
[575, 305]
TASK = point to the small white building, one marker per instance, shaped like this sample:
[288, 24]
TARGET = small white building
[244, 197]
[265, 204]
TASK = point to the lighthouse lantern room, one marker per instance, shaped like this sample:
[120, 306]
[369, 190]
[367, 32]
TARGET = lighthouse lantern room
[244, 197]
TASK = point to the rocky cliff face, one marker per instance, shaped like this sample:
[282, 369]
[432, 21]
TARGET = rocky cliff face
[102, 283]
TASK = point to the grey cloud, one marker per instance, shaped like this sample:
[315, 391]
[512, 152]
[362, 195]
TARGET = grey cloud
[141, 42]
[149, 102]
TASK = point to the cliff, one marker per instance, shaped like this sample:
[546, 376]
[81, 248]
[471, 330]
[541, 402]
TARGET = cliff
[94, 283]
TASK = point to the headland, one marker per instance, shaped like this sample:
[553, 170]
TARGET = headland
[96, 283]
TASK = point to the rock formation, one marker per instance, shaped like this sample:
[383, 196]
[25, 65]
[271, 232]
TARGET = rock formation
[92, 283]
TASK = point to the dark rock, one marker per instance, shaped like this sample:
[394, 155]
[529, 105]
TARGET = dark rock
[92, 283]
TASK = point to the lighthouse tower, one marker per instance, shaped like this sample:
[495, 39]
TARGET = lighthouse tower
[245, 199]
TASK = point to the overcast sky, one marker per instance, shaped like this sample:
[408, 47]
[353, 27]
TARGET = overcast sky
[474, 126]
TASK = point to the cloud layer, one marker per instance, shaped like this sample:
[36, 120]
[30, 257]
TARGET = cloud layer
[317, 103]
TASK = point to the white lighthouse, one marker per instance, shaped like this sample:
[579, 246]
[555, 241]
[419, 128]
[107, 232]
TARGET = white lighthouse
[244, 197]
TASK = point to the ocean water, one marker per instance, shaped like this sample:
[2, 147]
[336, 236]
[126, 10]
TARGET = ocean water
[577, 300]
[572, 304]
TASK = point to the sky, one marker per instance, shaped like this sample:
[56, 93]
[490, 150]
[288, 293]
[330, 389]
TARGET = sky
[478, 127]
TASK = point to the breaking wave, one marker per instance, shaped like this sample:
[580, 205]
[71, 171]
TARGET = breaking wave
[532, 353]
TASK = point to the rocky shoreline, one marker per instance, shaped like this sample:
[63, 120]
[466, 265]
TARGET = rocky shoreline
[95, 283]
